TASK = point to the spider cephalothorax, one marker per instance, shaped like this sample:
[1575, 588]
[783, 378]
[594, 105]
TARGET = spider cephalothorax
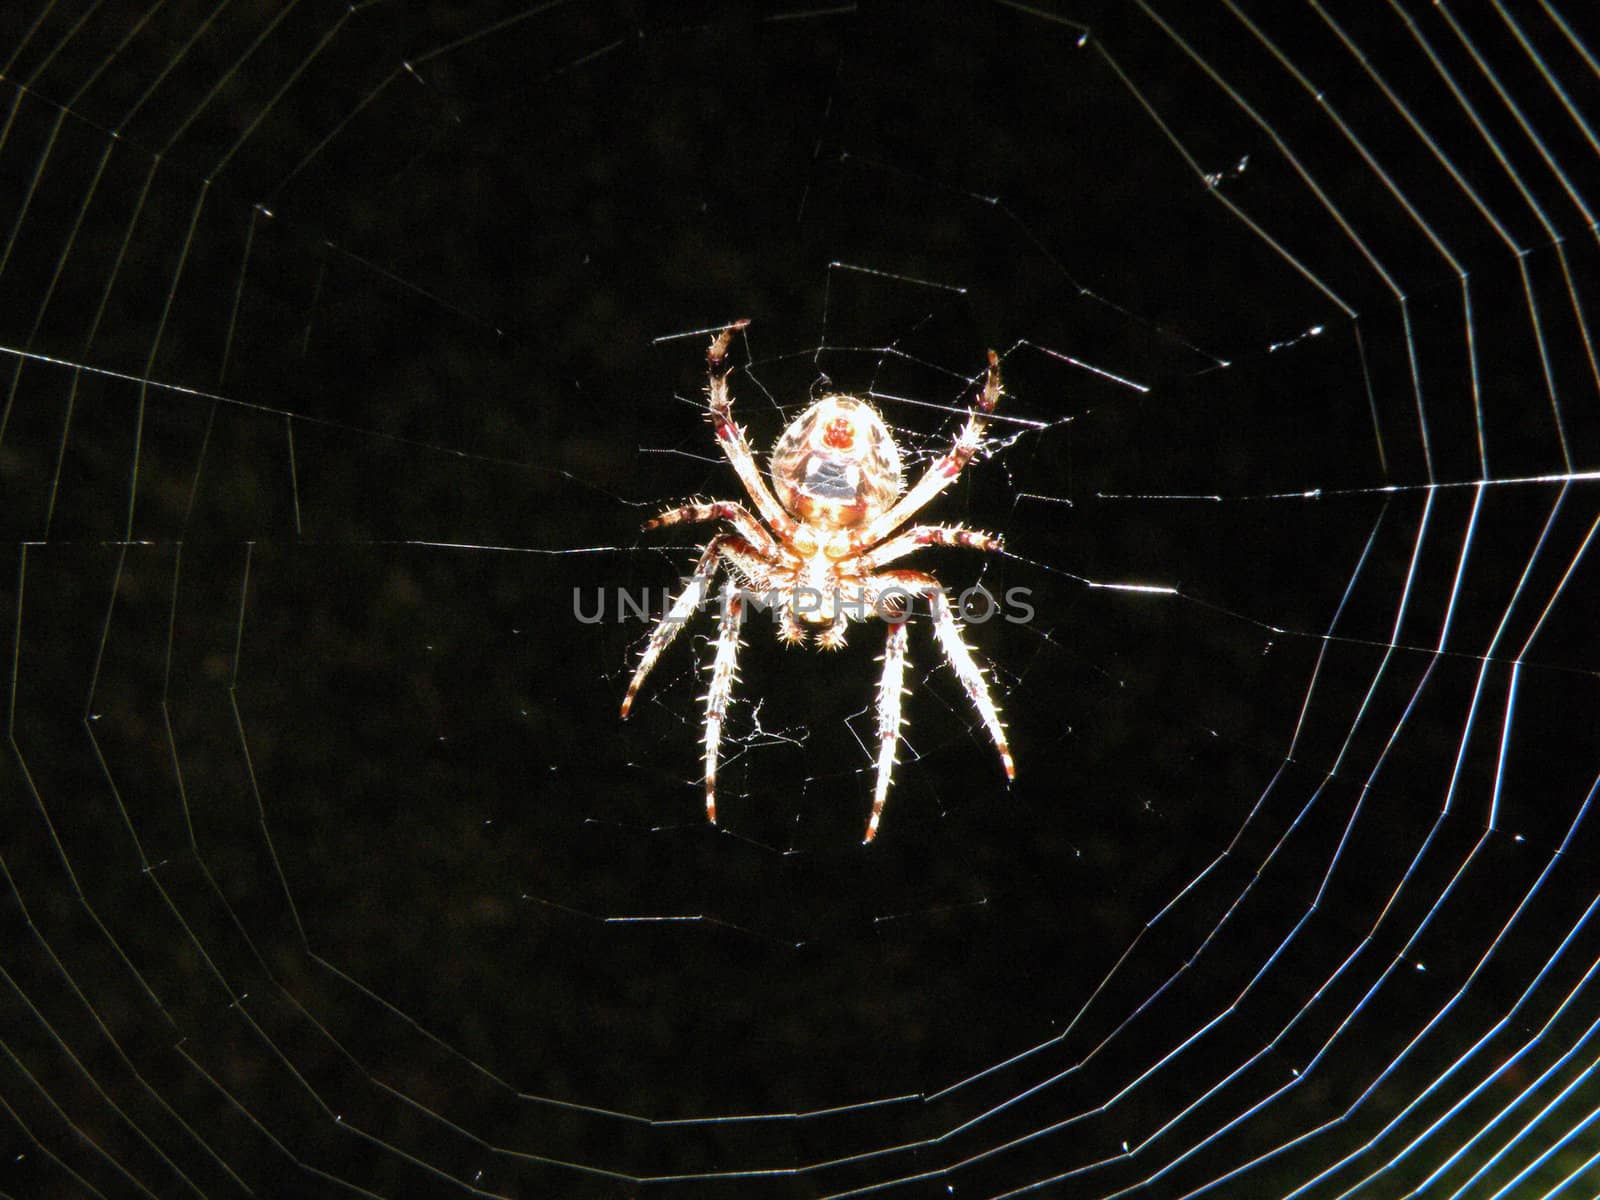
[838, 496]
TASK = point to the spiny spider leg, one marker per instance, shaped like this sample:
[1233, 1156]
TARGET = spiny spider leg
[890, 689]
[942, 473]
[959, 655]
[676, 617]
[731, 438]
[722, 676]
[947, 632]
[719, 510]
[919, 536]
[791, 630]
[832, 638]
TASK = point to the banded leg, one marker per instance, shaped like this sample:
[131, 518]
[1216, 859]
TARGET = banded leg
[676, 617]
[959, 655]
[731, 438]
[944, 470]
[947, 632]
[919, 536]
[718, 510]
[722, 676]
[890, 690]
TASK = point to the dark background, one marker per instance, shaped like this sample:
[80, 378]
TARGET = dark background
[343, 343]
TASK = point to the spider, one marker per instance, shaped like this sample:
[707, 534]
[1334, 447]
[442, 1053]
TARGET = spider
[837, 498]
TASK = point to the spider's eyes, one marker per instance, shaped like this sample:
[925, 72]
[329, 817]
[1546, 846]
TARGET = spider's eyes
[840, 434]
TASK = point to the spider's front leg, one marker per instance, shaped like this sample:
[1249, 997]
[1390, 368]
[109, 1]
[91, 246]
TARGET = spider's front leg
[919, 536]
[718, 510]
[731, 438]
[944, 470]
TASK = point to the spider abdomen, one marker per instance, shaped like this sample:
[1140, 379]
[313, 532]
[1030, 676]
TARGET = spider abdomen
[836, 465]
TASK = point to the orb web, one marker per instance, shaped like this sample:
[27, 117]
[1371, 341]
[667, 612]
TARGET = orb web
[349, 347]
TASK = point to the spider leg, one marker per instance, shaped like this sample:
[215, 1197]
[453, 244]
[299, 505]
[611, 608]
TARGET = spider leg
[722, 676]
[890, 690]
[676, 617]
[947, 632]
[959, 655]
[731, 438]
[944, 470]
[719, 510]
[832, 638]
[791, 630]
[918, 536]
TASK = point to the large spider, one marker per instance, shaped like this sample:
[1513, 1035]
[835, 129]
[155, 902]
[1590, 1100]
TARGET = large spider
[819, 559]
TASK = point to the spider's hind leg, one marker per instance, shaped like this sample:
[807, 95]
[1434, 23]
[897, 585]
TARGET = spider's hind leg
[947, 632]
[722, 676]
[892, 589]
[890, 690]
[683, 608]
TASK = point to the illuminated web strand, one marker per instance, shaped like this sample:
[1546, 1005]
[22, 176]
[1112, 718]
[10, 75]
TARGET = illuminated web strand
[1529, 1045]
[1495, 1030]
[1526, 899]
[1554, 238]
[1417, 859]
[1545, 73]
[1508, 714]
[94, 325]
[1401, 957]
[102, 930]
[1399, 960]
[1531, 1125]
[1417, 219]
[304, 418]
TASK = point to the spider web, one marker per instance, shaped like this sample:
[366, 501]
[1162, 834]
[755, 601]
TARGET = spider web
[347, 348]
